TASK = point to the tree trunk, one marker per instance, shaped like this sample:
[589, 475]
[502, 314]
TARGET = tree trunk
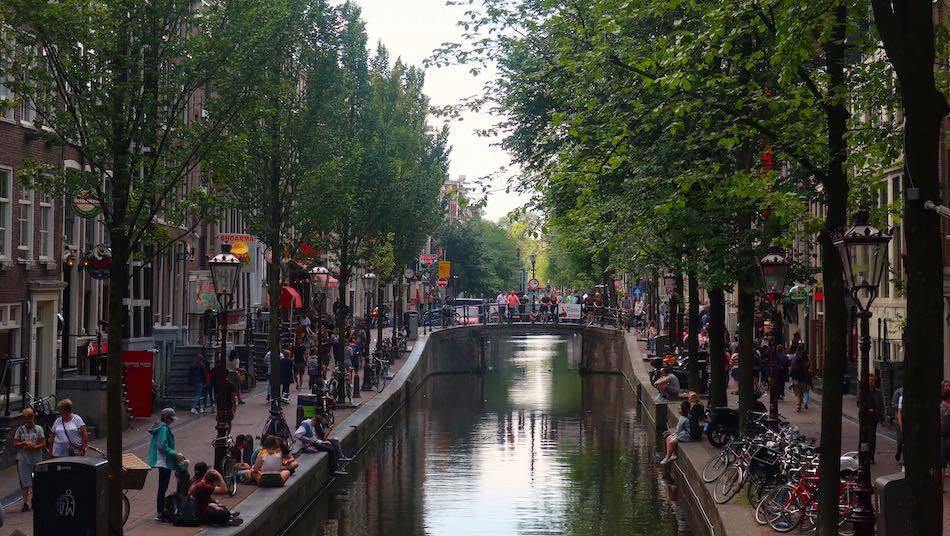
[908, 36]
[118, 292]
[836, 198]
[717, 348]
[692, 365]
[680, 302]
[746, 334]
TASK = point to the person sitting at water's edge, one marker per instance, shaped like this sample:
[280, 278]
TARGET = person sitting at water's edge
[269, 470]
[209, 511]
[313, 435]
[680, 435]
[667, 384]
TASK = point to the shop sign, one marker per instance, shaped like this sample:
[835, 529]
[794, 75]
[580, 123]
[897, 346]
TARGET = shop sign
[798, 293]
[86, 204]
[201, 296]
[445, 269]
[243, 246]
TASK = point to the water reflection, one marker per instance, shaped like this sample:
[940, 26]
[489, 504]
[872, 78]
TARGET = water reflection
[530, 448]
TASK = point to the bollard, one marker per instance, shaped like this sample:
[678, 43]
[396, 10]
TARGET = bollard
[356, 384]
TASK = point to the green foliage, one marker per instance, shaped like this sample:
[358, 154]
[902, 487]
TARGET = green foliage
[484, 257]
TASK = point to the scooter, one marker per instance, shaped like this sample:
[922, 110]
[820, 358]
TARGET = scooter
[723, 423]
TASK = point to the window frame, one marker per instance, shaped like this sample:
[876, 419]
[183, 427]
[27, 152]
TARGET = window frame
[6, 227]
[30, 222]
[47, 217]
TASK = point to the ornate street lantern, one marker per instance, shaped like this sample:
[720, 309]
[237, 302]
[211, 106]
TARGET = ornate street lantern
[774, 268]
[224, 274]
[670, 280]
[319, 279]
[863, 252]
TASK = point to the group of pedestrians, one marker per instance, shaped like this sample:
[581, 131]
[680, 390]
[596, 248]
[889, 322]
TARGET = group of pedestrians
[201, 376]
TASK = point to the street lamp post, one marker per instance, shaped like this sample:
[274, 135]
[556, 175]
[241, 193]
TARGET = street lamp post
[225, 269]
[368, 280]
[774, 269]
[319, 280]
[863, 252]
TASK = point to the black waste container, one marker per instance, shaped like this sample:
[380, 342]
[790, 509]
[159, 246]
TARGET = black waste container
[70, 497]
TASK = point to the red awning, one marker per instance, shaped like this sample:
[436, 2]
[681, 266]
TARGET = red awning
[289, 297]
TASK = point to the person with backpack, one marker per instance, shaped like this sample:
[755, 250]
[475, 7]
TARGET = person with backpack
[29, 440]
[207, 510]
[196, 377]
[163, 456]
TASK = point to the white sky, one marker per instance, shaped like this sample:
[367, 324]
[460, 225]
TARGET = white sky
[412, 29]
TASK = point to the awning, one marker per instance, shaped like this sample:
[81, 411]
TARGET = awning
[333, 282]
[289, 297]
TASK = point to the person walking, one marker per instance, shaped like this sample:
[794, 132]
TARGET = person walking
[209, 385]
[69, 431]
[512, 305]
[163, 456]
[875, 413]
[29, 440]
[234, 373]
[196, 377]
[286, 374]
[800, 373]
[300, 365]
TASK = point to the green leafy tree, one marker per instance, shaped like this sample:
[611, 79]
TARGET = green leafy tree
[119, 81]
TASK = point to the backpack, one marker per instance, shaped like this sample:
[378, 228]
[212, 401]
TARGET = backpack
[181, 511]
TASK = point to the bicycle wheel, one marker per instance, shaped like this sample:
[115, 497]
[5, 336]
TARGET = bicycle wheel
[381, 379]
[715, 467]
[332, 386]
[729, 484]
[789, 515]
[227, 472]
[770, 505]
[126, 508]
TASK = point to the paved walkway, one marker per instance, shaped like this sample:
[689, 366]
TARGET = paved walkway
[809, 422]
[193, 435]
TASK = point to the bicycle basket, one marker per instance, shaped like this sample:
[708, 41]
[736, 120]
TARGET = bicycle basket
[764, 461]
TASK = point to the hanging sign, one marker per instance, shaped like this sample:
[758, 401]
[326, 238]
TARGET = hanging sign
[85, 204]
[99, 263]
[445, 269]
[798, 293]
[427, 260]
[242, 246]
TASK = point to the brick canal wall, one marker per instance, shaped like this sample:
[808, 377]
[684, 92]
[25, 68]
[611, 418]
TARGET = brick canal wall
[456, 350]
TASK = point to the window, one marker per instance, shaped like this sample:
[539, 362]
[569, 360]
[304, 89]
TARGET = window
[27, 111]
[46, 227]
[6, 211]
[6, 101]
[25, 220]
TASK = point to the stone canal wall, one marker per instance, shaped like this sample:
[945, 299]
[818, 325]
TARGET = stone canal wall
[453, 351]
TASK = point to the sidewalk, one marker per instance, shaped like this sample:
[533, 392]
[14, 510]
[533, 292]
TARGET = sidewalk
[809, 422]
[193, 435]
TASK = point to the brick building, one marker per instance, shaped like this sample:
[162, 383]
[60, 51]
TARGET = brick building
[31, 254]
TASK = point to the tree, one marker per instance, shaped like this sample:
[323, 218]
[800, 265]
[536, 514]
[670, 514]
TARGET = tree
[118, 81]
[275, 146]
[908, 34]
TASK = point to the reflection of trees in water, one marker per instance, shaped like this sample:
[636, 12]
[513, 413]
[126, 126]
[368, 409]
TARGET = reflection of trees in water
[589, 462]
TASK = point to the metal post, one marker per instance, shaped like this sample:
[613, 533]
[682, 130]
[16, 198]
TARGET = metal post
[225, 413]
[863, 514]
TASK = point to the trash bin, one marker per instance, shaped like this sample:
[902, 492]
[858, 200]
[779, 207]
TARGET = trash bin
[892, 496]
[70, 496]
[306, 407]
[412, 325]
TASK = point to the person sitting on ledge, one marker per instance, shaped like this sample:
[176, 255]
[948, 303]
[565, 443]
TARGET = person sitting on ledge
[268, 470]
[288, 461]
[209, 511]
[680, 435]
[242, 471]
[313, 435]
[667, 384]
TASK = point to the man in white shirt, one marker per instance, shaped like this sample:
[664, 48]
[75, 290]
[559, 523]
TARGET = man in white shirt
[502, 301]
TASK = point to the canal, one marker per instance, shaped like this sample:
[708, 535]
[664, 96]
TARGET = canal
[529, 448]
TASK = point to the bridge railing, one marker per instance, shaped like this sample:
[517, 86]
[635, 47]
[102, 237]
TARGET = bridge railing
[489, 312]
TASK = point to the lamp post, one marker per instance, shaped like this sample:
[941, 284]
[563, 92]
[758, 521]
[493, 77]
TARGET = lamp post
[319, 279]
[225, 269]
[368, 280]
[534, 259]
[863, 252]
[774, 269]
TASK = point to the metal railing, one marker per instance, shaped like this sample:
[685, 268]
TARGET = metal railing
[14, 374]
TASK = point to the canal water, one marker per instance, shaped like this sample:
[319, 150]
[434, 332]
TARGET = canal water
[529, 448]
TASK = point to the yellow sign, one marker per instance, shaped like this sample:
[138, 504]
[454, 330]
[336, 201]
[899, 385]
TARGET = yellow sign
[445, 269]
